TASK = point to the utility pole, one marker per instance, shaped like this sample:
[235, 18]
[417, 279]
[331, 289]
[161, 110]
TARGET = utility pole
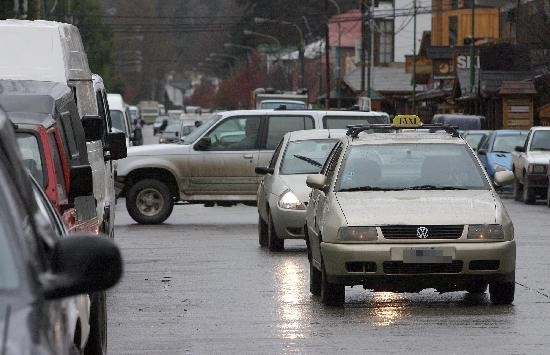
[43, 6]
[327, 58]
[370, 49]
[363, 42]
[473, 49]
[414, 60]
[518, 6]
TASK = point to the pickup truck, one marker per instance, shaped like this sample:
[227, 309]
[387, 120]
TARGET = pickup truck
[530, 166]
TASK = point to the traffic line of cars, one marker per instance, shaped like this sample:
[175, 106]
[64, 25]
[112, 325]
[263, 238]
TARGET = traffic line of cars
[56, 113]
[399, 207]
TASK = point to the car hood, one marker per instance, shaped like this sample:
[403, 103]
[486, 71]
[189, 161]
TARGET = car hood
[156, 150]
[539, 157]
[418, 207]
[502, 159]
[297, 184]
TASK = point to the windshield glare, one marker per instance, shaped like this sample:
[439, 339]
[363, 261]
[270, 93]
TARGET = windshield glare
[507, 144]
[117, 118]
[201, 129]
[306, 157]
[411, 166]
[541, 140]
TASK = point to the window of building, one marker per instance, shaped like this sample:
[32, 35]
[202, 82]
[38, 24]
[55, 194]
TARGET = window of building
[386, 41]
[453, 30]
[454, 4]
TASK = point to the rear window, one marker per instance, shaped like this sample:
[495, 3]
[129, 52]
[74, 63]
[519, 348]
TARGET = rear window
[278, 126]
[32, 156]
[341, 122]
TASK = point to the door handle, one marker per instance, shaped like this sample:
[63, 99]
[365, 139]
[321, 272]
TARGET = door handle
[248, 156]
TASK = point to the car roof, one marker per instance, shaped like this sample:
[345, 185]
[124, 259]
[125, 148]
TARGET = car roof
[31, 118]
[300, 112]
[405, 136]
[316, 134]
[510, 131]
[33, 96]
[116, 102]
[541, 128]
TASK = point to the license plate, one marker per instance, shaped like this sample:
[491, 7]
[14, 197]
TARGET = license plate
[425, 256]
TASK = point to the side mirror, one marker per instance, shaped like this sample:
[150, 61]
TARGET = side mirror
[163, 125]
[82, 264]
[116, 145]
[262, 170]
[135, 121]
[198, 123]
[503, 178]
[177, 134]
[317, 181]
[482, 152]
[93, 128]
[81, 181]
[520, 148]
[203, 144]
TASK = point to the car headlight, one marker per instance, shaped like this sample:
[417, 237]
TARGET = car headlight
[537, 168]
[289, 201]
[485, 231]
[498, 167]
[357, 234]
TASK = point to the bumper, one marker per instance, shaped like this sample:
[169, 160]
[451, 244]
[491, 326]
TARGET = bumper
[381, 266]
[289, 224]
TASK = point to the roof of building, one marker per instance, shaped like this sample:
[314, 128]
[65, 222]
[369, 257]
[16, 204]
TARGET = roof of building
[517, 87]
[384, 80]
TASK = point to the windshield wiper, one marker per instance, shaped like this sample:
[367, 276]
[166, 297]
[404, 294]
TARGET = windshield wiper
[433, 187]
[370, 188]
[500, 151]
[308, 160]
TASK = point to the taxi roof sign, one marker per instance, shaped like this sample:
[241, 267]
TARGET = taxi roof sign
[407, 121]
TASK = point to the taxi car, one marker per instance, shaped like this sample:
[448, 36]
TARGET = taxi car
[405, 207]
[283, 193]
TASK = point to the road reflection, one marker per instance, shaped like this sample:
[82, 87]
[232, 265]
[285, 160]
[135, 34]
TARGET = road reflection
[388, 308]
[290, 297]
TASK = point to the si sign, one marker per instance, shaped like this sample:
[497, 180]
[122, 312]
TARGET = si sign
[407, 121]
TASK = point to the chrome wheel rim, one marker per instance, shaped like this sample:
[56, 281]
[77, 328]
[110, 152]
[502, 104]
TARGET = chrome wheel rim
[149, 202]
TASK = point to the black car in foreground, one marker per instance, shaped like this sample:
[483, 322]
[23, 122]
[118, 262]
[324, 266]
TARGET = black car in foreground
[39, 270]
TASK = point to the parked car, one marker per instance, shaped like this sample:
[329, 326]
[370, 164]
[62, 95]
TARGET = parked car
[172, 133]
[401, 210]
[49, 51]
[495, 152]
[41, 271]
[120, 117]
[530, 166]
[462, 122]
[475, 138]
[215, 163]
[150, 110]
[160, 124]
[283, 194]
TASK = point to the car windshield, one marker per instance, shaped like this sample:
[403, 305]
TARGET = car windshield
[200, 130]
[117, 118]
[306, 157]
[341, 122]
[507, 144]
[411, 167]
[9, 279]
[149, 111]
[474, 139]
[289, 105]
[159, 119]
[186, 130]
[172, 128]
[32, 156]
[541, 141]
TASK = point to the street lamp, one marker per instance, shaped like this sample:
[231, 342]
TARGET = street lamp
[259, 34]
[234, 45]
[301, 47]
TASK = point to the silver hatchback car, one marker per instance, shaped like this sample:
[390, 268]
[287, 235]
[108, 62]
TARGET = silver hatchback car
[283, 193]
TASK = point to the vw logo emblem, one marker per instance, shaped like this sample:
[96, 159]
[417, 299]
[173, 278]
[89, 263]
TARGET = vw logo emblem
[422, 232]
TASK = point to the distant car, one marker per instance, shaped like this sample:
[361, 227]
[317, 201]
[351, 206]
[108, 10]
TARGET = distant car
[475, 137]
[283, 193]
[171, 133]
[160, 121]
[462, 122]
[175, 114]
[287, 104]
[495, 152]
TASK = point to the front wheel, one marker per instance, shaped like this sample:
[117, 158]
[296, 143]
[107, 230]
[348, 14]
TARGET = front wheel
[331, 294]
[262, 232]
[529, 194]
[477, 287]
[97, 341]
[149, 201]
[273, 242]
[502, 293]
[315, 279]
[518, 190]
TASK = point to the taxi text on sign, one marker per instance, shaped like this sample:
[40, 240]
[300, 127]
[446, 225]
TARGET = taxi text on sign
[407, 121]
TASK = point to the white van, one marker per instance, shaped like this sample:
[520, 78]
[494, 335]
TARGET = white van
[119, 117]
[53, 51]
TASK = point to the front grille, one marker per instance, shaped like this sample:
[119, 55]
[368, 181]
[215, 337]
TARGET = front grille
[398, 267]
[357, 266]
[489, 265]
[411, 232]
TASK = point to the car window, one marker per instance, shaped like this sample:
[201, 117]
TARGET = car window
[474, 139]
[236, 133]
[278, 126]
[61, 190]
[411, 166]
[541, 140]
[118, 120]
[102, 114]
[275, 156]
[9, 278]
[289, 105]
[32, 156]
[172, 128]
[330, 167]
[341, 122]
[193, 136]
[47, 210]
[68, 132]
[507, 143]
[306, 157]
[186, 130]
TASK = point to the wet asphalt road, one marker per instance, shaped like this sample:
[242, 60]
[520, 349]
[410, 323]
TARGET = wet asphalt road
[201, 284]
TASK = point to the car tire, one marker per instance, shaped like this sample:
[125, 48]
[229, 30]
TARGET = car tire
[97, 340]
[331, 294]
[518, 190]
[477, 287]
[502, 293]
[262, 232]
[548, 195]
[314, 280]
[529, 195]
[149, 201]
[273, 242]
